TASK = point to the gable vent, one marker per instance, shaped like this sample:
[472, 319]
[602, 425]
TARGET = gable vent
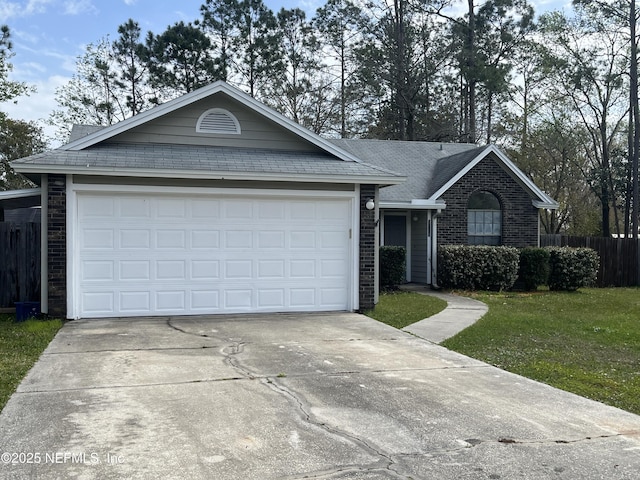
[219, 121]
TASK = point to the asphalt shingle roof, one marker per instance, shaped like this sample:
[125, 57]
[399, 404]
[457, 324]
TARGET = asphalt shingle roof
[205, 159]
[427, 166]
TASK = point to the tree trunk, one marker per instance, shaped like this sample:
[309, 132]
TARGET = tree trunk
[636, 115]
[470, 49]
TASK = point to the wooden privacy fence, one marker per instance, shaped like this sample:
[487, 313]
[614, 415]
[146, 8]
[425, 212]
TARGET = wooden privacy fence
[618, 257]
[19, 263]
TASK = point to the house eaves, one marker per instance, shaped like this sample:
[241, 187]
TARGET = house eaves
[540, 200]
[202, 162]
[25, 198]
[217, 87]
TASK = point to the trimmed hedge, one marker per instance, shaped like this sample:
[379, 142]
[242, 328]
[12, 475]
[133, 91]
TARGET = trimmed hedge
[572, 268]
[393, 262]
[477, 267]
[534, 267]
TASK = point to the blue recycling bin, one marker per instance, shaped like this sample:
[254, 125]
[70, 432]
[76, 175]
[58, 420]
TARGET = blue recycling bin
[26, 310]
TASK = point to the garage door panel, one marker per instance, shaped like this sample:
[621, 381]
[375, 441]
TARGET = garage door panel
[271, 298]
[94, 303]
[174, 270]
[271, 239]
[205, 239]
[97, 208]
[202, 208]
[237, 300]
[134, 238]
[171, 239]
[134, 207]
[199, 254]
[301, 239]
[172, 208]
[238, 209]
[133, 302]
[271, 269]
[205, 270]
[235, 239]
[170, 300]
[207, 300]
[302, 298]
[302, 268]
[138, 270]
[97, 239]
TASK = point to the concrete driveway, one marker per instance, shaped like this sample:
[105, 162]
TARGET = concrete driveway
[329, 396]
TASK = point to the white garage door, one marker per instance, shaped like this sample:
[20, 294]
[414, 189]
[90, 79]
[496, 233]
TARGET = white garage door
[168, 254]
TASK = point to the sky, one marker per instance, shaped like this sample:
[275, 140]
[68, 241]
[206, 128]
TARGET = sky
[49, 35]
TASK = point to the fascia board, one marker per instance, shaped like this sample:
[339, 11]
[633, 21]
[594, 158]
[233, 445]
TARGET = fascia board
[543, 198]
[24, 193]
[209, 175]
[197, 95]
[142, 118]
[546, 205]
[412, 206]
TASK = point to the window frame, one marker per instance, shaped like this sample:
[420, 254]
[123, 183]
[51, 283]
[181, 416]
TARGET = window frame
[488, 219]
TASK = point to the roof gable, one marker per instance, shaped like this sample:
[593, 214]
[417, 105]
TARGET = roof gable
[432, 168]
[539, 198]
[175, 122]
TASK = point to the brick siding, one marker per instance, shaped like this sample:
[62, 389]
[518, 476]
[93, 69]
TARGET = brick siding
[519, 216]
[57, 245]
[367, 249]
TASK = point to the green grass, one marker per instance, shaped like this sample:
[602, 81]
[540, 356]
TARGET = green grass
[586, 342]
[20, 346]
[400, 309]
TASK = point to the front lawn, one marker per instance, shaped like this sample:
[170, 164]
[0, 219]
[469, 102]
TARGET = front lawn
[21, 344]
[586, 342]
[400, 309]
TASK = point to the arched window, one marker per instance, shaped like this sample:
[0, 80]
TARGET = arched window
[484, 219]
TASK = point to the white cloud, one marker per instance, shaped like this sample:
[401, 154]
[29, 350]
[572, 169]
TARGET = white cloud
[130, 2]
[14, 9]
[78, 7]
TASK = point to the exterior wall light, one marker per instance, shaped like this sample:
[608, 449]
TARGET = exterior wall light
[370, 204]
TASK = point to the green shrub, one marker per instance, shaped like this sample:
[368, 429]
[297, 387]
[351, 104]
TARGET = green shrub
[392, 267]
[572, 268]
[477, 267]
[534, 267]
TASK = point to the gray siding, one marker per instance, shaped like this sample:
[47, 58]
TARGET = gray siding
[179, 127]
[419, 248]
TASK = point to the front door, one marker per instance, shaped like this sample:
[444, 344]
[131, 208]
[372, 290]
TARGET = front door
[395, 235]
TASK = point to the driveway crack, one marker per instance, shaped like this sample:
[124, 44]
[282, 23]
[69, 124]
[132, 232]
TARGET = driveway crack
[386, 462]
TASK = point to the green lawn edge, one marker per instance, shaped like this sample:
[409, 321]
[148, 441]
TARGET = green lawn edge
[400, 309]
[21, 344]
[585, 342]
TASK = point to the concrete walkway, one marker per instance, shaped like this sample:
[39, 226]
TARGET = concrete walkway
[461, 312]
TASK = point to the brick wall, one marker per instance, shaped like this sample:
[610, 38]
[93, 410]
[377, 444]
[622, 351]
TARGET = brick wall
[57, 245]
[367, 249]
[519, 216]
